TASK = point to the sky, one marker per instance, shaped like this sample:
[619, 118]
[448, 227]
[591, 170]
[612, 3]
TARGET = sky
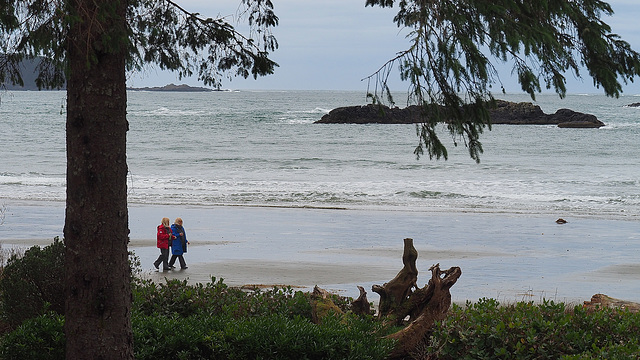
[335, 44]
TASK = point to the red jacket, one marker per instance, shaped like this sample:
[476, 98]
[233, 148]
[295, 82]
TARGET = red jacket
[164, 235]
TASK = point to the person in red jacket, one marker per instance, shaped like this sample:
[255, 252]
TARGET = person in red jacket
[164, 238]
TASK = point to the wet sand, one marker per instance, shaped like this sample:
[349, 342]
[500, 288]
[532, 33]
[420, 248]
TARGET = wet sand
[503, 256]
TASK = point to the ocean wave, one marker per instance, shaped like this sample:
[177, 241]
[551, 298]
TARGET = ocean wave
[620, 125]
[32, 180]
[317, 110]
[164, 111]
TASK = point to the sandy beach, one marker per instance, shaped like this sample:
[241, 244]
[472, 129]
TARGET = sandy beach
[502, 256]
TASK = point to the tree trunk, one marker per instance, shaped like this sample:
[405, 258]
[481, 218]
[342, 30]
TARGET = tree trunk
[97, 283]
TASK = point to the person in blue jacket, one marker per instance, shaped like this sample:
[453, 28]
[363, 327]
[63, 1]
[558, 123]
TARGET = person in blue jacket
[179, 245]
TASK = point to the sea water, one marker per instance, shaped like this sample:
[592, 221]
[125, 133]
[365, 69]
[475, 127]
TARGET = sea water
[258, 182]
[262, 148]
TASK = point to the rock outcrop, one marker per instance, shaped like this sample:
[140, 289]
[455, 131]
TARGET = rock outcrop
[504, 112]
[371, 114]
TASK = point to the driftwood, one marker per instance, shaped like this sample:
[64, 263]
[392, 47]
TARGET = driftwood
[394, 294]
[361, 305]
[400, 299]
[401, 302]
[426, 306]
[600, 301]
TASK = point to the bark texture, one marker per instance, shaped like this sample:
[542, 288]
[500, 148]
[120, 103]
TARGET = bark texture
[426, 306]
[401, 299]
[395, 293]
[97, 284]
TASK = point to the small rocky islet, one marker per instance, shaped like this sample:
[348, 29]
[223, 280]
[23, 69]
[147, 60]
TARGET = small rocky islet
[504, 112]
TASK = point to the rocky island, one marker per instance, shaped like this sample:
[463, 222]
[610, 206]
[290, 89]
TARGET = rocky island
[504, 112]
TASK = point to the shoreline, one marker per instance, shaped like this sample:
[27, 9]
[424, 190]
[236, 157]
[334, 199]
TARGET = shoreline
[509, 257]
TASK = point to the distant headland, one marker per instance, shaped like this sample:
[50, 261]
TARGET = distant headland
[173, 87]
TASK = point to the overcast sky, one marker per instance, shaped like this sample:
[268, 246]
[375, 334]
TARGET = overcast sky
[334, 44]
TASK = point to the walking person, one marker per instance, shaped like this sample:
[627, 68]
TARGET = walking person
[164, 239]
[179, 245]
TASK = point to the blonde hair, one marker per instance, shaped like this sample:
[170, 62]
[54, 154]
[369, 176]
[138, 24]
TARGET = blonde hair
[178, 220]
[165, 221]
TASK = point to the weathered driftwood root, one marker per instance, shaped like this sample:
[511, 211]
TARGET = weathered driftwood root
[394, 294]
[604, 301]
[427, 306]
[361, 305]
[423, 306]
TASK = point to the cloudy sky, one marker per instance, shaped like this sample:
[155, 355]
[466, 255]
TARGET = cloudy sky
[334, 44]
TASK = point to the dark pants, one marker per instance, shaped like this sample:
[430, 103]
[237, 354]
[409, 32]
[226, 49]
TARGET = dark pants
[180, 258]
[164, 256]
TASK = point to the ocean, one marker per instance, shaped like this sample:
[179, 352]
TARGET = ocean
[261, 148]
[323, 193]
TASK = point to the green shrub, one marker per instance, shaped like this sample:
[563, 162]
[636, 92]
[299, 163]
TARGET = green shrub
[40, 338]
[175, 320]
[216, 336]
[279, 337]
[175, 297]
[265, 337]
[612, 352]
[32, 284]
[164, 337]
[486, 330]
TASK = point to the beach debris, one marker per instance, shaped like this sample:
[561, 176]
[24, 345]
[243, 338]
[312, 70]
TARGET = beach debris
[401, 299]
[402, 303]
[561, 221]
[361, 305]
[254, 287]
[601, 301]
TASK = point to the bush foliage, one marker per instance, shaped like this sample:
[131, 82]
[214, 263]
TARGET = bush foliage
[488, 330]
[41, 337]
[31, 284]
[175, 320]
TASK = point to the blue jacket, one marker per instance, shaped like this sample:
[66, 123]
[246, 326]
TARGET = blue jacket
[179, 244]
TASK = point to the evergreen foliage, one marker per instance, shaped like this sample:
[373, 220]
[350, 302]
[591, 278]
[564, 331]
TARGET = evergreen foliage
[31, 284]
[159, 32]
[89, 44]
[454, 46]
